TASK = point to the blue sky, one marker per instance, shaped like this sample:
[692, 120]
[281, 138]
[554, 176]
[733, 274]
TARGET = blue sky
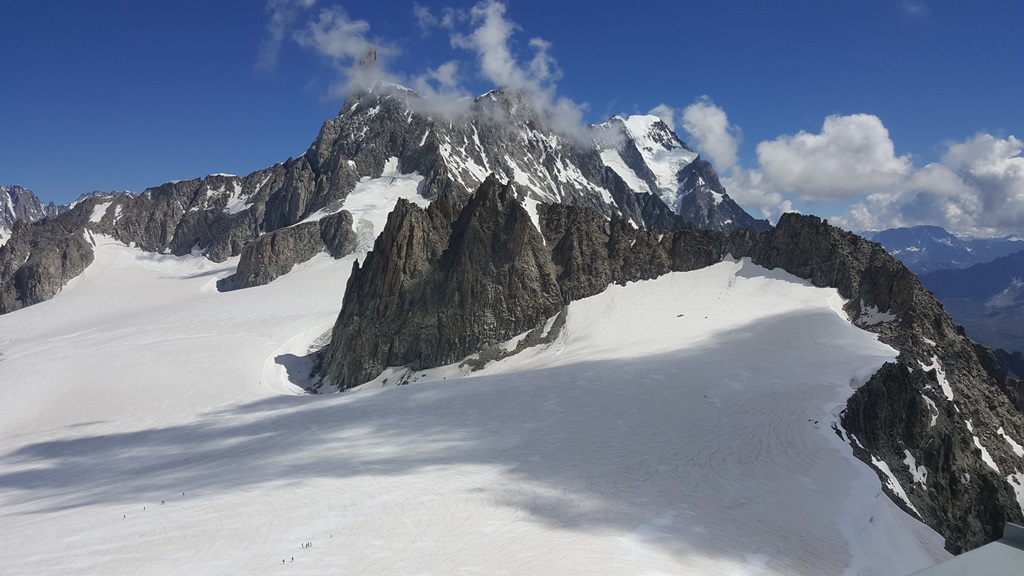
[871, 113]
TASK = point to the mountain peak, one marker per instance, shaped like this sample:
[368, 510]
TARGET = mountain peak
[369, 59]
[19, 204]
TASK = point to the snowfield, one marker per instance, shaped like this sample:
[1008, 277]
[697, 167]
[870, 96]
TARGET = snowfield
[148, 425]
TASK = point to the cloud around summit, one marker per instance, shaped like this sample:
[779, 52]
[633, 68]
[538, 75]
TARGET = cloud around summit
[482, 38]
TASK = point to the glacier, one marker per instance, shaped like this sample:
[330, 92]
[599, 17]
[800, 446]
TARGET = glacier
[151, 424]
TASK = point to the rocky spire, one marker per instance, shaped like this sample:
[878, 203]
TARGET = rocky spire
[369, 60]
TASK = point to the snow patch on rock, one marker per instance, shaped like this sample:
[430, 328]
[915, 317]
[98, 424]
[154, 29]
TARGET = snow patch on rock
[1017, 448]
[940, 375]
[98, 211]
[918, 473]
[892, 483]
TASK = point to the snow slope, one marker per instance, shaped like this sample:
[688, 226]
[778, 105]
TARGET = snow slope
[681, 425]
[373, 199]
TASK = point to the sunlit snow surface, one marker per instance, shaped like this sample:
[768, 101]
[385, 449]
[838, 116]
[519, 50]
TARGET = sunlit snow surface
[373, 199]
[676, 426]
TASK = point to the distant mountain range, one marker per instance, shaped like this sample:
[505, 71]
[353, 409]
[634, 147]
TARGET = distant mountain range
[978, 280]
[987, 299]
[928, 248]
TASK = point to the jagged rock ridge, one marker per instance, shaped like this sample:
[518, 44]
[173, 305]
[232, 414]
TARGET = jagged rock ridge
[403, 307]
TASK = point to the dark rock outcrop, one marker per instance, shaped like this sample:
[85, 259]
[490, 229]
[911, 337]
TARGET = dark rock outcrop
[442, 283]
[39, 259]
[445, 282]
[709, 206]
[963, 499]
[1008, 371]
[274, 254]
[930, 405]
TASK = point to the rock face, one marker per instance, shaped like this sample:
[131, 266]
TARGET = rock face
[39, 259]
[581, 250]
[19, 204]
[942, 408]
[274, 254]
[442, 283]
[445, 282]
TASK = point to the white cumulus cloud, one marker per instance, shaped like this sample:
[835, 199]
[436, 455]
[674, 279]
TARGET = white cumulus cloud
[976, 188]
[852, 156]
[715, 138]
[752, 193]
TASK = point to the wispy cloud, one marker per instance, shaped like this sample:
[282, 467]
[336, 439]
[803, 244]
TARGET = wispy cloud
[915, 8]
[446, 19]
[336, 36]
[490, 40]
[283, 14]
[485, 31]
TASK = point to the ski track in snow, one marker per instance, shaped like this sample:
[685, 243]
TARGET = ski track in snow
[147, 426]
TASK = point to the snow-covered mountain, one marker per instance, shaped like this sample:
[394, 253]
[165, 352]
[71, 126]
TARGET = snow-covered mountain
[929, 248]
[385, 141]
[645, 153]
[20, 204]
